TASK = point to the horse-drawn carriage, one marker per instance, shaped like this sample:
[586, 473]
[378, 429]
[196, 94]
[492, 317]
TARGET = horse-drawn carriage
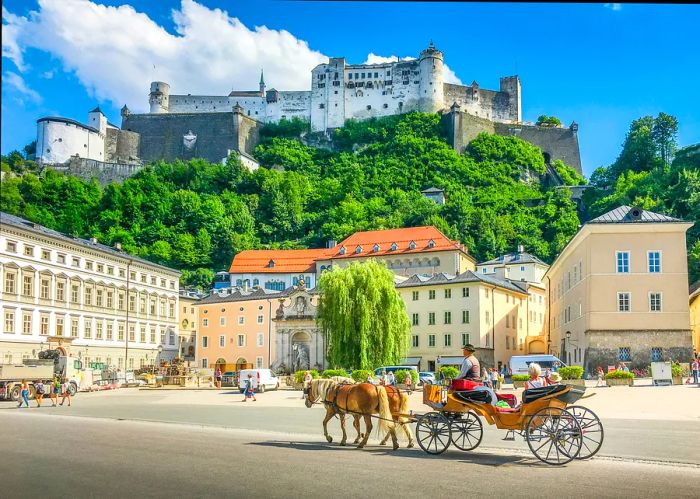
[556, 432]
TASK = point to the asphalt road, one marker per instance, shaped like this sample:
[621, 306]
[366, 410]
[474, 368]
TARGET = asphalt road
[90, 457]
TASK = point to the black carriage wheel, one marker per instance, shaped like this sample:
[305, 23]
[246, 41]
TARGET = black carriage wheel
[554, 436]
[433, 433]
[591, 430]
[467, 432]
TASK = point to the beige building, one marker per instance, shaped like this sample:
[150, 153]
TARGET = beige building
[695, 315]
[95, 302]
[187, 329]
[518, 266]
[618, 291]
[498, 316]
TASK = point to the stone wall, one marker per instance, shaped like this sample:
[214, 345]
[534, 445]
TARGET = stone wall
[121, 146]
[246, 132]
[103, 172]
[603, 347]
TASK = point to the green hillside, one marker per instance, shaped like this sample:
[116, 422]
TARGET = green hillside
[195, 216]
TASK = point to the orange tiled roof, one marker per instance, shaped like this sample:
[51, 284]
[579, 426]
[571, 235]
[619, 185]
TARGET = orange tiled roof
[425, 238]
[258, 261]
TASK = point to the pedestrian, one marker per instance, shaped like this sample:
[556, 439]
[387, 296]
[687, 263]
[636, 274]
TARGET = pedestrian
[409, 382]
[370, 378]
[625, 368]
[307, 382]
[55, 388]
[494, 379]
[217, 377]
[391, 379]
[601, 377]
[383, 378]
[694, 368]
[24, 394]
[249, 390]
[65, 391]
[39, 389]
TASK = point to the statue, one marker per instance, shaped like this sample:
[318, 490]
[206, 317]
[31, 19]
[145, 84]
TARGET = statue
[279, 313]
[189, 140]
[301, 284]
[301, 357]
[300, 305]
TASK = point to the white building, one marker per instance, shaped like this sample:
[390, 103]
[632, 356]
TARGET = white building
[518, 266]
[75, 293]
[58, 139]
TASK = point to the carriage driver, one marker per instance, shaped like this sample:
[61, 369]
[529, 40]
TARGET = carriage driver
[470, 368]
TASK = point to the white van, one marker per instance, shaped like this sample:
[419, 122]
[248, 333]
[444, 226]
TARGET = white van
[263, 379]
[519, 363]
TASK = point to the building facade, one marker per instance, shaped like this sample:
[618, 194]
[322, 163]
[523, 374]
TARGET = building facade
[618, 292]
[695, 315]
[98, 303]
[518, 266]
[188, 324]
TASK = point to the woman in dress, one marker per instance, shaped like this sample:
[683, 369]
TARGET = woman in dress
[249, 391]
[65, 391]
[24, 394]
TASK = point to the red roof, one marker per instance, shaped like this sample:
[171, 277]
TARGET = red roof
[276, 261]
[424, 239]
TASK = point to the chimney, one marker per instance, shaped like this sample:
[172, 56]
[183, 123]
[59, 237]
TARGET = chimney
[93, 240]
[118, 246]
[500, 272]
[331, 244]
[521, 248]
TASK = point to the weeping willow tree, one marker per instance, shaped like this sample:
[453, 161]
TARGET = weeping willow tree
[362, 316]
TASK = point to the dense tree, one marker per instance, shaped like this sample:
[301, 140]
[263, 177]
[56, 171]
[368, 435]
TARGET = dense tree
[362, 316]
[547, 121]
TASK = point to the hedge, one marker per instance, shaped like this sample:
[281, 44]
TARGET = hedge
[619, 375]
[519, 377]
[449, 372]
[401, 376]
[571, 372]
[299, 375]
[361, 375]
[334, 372]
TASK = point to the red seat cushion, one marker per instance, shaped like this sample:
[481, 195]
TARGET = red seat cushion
[464, 384]
[509, 398]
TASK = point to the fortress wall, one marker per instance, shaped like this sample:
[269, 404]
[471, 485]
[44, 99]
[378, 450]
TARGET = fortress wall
[558, 143]
[246, 132]
[464, 127]
[483, 103]
[291, 104]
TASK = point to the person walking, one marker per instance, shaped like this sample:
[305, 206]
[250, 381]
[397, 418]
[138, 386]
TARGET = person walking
[24, 393]
[485, 379]
[601, 377]
[694, 368]
[39, 389]
[217, 377]
[249, 390]
[391, 379]
[65, 391]
[409, 382]
[494, 379]
[55, 388]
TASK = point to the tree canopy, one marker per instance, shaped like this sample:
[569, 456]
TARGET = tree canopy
[362, 316]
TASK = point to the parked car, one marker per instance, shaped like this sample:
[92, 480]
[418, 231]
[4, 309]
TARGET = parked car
[263, 379]
[427, 378]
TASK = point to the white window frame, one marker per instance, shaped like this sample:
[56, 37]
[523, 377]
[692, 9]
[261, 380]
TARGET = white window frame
[260, 339]
[204, 363]
[661, 301]
[432, 339]
[222, 321]
[205, 322]
[617, 262]
[629, 301]
[259, 362]
[649, 253]
[239, 342]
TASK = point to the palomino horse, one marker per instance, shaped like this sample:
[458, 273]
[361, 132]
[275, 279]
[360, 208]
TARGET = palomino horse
[361, 400]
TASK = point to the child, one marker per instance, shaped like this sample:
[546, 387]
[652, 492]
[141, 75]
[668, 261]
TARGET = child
[249, 392]
[601, 377]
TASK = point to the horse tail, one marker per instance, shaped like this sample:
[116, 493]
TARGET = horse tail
[386, 422]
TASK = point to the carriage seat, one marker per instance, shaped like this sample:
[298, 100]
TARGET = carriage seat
[473, 396]
[533, 394]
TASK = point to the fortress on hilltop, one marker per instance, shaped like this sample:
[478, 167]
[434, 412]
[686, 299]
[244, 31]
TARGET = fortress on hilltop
[211, 126]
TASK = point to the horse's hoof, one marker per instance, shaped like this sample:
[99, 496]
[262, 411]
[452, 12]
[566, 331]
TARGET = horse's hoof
[329, 438]
[396, 447]
[342, 444]
[382, 443]
[411, 445]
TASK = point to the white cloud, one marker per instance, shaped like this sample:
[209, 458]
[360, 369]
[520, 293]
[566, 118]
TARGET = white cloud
[17, 82]
[613, 6]
[47, 74]
[113, 50]
[449, 75]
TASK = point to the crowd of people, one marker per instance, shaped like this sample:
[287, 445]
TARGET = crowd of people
[55, 388]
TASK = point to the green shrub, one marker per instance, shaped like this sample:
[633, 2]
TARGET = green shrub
[571, 372]
[449, 372]
[334, 372]
[619, 375]
[401, 376]
[299, 375]
[520, 377]
[677, 371]
[361, 375]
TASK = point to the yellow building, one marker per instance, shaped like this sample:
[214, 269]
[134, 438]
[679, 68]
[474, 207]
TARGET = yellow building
[494, 314]
[618, 291]
[695, 315]
[187, 330]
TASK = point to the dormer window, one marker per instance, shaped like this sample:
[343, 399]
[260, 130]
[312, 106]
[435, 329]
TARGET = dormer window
[358, 249]
[412, 245]
[431, 244]
[375, 248]
[394, 246]
[342, 250]
[271, 263]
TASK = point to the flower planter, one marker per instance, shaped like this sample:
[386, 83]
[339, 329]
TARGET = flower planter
[575, 382]
[518, 384]
[677, 380]
[620, 382]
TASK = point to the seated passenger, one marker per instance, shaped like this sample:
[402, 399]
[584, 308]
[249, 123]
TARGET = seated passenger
[536, 380]
[470, 368]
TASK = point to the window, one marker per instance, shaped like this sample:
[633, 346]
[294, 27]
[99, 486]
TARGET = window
[431, 340]
[431, 318]
[120, 301]
[75, 262]
[132, 333]
[654, 259]
[623, 262]
[465, 292]
[465, 338]
[10, 283]
[415, 319]
[44, 284]
[241, 320]
[120, 332]
[110, 299]
[11, 246]
[75, 293]
[205, 322]
[260, 319]
[507, 321]
[132, 303]
[44, 325]
[28, 250]
[28, 285]
[9, 322]
[144, 278]
[205, 341]
[415, 341]
[431, 294]
[110, 331]
[61, 258]
[415, 295]
[222, 341]
[448, 317]
[153, 335]
[448, 340]
[222, 322]
[142, 305]
[99, 294]
[487, 317]
[45, 254]
[507, 342]
[241, 340]
[98, 330]
[260, 339]
[59, 326]
[259, 359]
[520, 323]
[204, 363]
[110, 270]
[162, 336]
[655, 302]
[27, 323]
[656, 354]
[61, 291]
[623, 302]
[623, 354]
[448, 293]
[74, 328]
[465, 316]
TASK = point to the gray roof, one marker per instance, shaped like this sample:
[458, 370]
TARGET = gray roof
[432, 189]
[514, 259]
[69, 121]
[15, 221]
[468, 276]
[239, 294]
[625, 214]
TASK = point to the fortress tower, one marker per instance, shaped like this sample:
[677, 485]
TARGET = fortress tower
[159, 98]
[431, 91]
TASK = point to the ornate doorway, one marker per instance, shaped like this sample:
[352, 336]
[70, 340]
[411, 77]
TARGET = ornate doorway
[301, 348]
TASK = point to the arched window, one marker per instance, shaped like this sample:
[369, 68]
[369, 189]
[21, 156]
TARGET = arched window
[342, 250]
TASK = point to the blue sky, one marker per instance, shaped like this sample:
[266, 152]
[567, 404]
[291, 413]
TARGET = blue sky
[599, 65]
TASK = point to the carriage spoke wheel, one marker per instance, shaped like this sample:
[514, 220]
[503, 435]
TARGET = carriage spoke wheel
[554, 436]
[433, 433]
[467, 432]
[591, 430]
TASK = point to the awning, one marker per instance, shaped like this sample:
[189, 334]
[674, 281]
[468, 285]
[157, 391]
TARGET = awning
[448, 360]
[411, 361]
